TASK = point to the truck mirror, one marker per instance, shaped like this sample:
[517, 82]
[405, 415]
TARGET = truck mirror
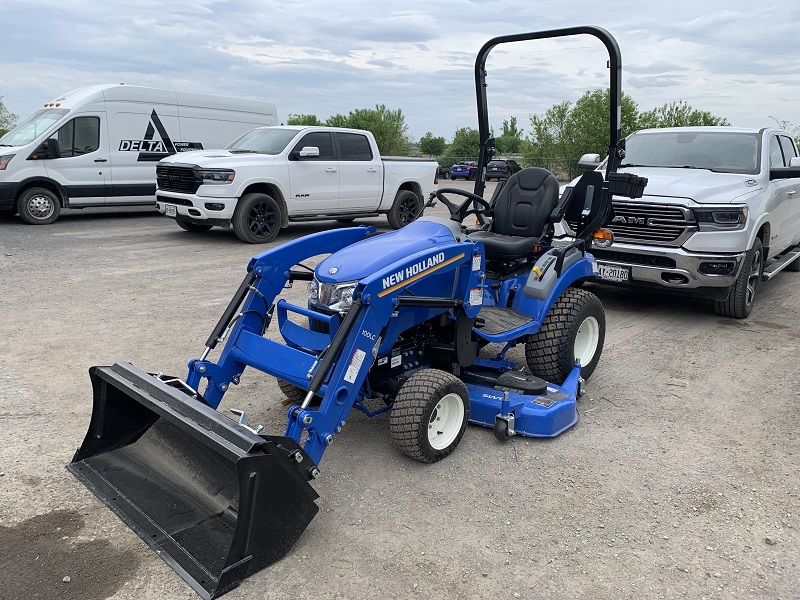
[47, 149]
[589, 162]
[309, 152]
[795, 162]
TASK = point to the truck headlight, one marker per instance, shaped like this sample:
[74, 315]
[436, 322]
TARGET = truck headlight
[216, 176]
[719, 217]
[4, 160]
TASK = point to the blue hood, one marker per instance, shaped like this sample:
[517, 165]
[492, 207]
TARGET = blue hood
[374, 254]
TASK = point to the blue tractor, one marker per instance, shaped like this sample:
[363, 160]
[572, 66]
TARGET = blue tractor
[417, 322]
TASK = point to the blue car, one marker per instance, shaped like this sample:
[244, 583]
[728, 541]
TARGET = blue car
[467, 170]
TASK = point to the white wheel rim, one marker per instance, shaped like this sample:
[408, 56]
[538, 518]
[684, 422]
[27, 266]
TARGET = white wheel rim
[586, 340]
[445, 422]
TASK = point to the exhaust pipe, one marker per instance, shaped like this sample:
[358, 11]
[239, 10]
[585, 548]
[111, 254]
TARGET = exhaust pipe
[215, 500]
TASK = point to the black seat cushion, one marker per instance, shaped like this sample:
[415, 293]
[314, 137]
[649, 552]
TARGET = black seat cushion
[521, 214]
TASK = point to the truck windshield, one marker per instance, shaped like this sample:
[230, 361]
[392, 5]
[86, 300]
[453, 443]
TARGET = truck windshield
[267, 140]
[721, 152]
[32, 127]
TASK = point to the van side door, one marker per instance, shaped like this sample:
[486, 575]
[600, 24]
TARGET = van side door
[313, 180]
[82, 165]
[360, 183]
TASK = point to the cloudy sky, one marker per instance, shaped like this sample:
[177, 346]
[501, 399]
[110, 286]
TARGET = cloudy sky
[736, 58]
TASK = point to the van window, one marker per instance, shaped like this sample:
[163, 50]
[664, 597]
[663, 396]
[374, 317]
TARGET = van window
[32, 127]
[353, 146]
[79, 136]
[320, 139]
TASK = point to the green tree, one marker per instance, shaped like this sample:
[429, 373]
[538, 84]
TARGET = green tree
[678, 113]
[510, 141]
[566, 131]
[466, 142]
[310, 120]
[7, 119]
[388, 126]
[432, 146]
[337, 120]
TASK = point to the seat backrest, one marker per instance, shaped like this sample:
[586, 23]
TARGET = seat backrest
[586, 203]
[523, 206]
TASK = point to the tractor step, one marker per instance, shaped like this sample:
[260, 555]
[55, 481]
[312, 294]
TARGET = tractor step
[497, 320]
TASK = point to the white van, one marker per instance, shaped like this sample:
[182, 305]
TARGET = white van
[99, 145]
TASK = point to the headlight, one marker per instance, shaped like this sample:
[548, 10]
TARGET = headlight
[336, 296]
[216, 176]
[4, 160]
[313, 289]
[728, 217]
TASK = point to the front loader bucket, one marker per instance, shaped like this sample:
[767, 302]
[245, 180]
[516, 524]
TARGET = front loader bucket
[216, 501]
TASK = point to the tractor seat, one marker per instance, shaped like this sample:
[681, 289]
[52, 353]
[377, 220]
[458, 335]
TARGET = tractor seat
[521, 215]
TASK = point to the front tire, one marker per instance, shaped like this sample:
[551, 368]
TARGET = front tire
[38, 206]
[406, 208]
[574, 329]
[742, 296]
[430, 415]
[193, 227]
[257, 218]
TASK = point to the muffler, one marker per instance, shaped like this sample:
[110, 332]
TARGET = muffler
[215, 500]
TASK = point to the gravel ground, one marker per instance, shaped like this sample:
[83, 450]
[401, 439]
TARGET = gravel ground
[680, 481]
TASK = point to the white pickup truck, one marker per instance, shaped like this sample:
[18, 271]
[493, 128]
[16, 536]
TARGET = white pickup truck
[273, 175]
[720, 213]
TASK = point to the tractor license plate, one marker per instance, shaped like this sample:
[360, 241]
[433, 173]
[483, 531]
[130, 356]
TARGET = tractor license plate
[170, 210]
[614, 273]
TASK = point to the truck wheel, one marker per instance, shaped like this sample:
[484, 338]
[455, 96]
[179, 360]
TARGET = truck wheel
[430, 415]
[38, 206]
[257, 218]
[406, 208]
[194, 227]
[574, 329]
[742, 295]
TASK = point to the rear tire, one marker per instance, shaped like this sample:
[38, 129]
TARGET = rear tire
[574, 328]
[193, 227]
[406, 208]
[38, 206]
[742, 296]
[430, 415]
[257, 218]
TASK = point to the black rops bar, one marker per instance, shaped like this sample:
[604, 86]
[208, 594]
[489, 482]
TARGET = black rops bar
[616, 145]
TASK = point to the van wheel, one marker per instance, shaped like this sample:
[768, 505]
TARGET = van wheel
[257, 219]
[38, 206]
[406, 208]
[188, 226]
[742, 296]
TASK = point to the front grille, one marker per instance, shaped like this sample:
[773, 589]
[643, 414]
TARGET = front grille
[636, 259]
[177, 179]
[658, 224]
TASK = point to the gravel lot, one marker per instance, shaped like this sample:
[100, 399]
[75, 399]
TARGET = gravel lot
[680, 480]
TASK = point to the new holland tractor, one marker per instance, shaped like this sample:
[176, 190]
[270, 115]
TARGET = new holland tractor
[417, 320]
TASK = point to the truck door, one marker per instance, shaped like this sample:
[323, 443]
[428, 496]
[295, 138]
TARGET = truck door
[785, 202]
[314, 181]
[360, 183]
[82, 166]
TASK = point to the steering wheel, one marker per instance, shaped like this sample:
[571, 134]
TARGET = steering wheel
[460, 212]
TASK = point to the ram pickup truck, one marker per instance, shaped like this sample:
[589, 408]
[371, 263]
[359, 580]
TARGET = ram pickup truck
[273, 175]
[720, 213]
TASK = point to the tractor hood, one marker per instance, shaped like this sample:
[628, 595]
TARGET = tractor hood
[376, 253]
[701, 185]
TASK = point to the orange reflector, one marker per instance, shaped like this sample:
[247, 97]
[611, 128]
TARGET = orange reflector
[58, 104]
[603, 238]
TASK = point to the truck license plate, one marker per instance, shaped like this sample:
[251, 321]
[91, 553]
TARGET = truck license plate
[614, 273]
[170, 210]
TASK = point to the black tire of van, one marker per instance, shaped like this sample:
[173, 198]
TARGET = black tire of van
[38, 206]
[257, 218]
[193, 227]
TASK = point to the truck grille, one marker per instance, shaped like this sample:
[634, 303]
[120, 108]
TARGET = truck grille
[656, 224]
[177, 179]
[646, 260]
